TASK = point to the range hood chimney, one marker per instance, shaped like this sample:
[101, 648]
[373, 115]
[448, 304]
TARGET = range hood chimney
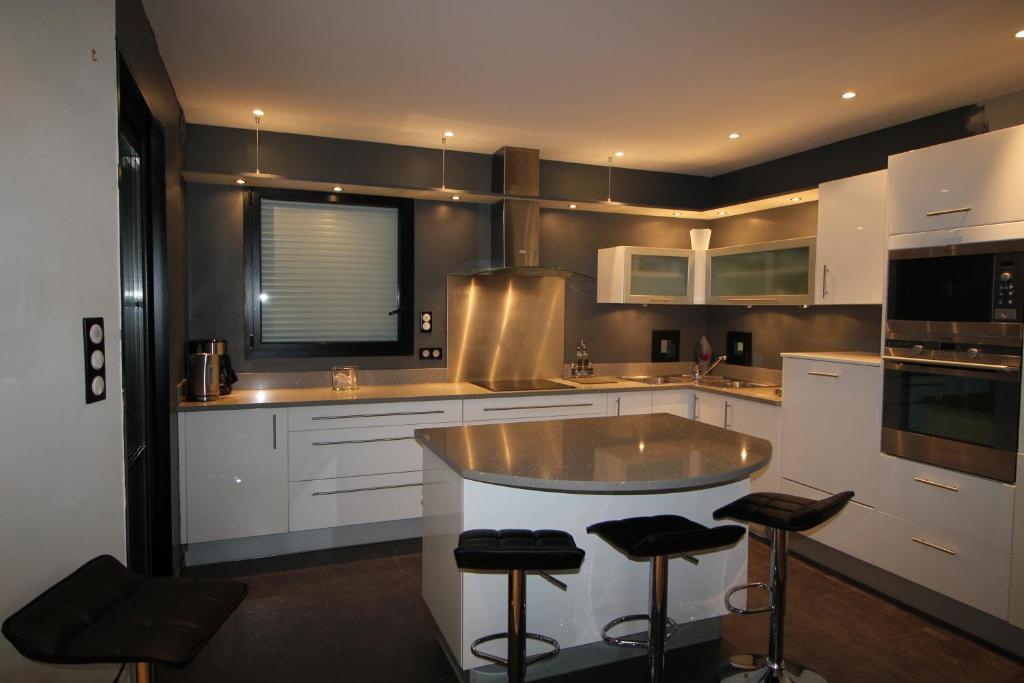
[515, 222]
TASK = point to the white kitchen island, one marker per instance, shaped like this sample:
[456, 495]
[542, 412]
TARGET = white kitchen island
[567, 475]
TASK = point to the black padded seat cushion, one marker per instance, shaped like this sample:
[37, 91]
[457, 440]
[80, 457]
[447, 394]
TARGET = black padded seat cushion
[664, 535]
[509, 549]
[103, 612]
[783, 511]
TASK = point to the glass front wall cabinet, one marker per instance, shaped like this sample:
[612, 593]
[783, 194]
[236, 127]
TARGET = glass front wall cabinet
[644, 275]
[768, 273]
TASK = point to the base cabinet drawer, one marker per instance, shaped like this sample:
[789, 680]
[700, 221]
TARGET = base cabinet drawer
[544, 407]
[354, 500]
[974, 508]
[630, 403]
[850, 532]
[955, 567]
[374, 414]
[331, 453]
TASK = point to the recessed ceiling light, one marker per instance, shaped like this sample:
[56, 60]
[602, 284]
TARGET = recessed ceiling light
[676, 213]
[723, 213]
[448, 134]
[734, 136]
[572, 206]
[795, 199]
[620, 154]
[849, 95]
[239, 181]
[337, 188]
[456, 197]
[257, 112]
[1019, 34]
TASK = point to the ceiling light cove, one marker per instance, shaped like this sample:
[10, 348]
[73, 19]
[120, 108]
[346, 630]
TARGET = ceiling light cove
[620, 154]
[239, 181]
[734, 136]
[456, 197]
[337, 188]
[849, 95]
[448, 134]
[572, 206]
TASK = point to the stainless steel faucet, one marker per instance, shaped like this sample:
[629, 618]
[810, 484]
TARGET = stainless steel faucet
[699, 376]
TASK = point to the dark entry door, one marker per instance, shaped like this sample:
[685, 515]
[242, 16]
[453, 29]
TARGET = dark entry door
[143, 352]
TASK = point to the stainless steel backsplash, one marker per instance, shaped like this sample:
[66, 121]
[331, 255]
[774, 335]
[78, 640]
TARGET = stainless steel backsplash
[505, 327]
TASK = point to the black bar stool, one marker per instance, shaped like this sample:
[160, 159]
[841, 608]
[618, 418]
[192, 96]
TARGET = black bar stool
[102, 612]
[658, 538]
[517, 551]
[781, 513]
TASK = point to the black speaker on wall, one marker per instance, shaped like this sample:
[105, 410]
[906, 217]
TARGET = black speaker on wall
[739, 348]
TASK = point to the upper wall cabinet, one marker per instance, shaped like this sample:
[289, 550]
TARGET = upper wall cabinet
[969, 182]
[780, 272]
[644, 275]
[851, 240]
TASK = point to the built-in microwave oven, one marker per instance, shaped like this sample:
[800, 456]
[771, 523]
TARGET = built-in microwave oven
[952, 360]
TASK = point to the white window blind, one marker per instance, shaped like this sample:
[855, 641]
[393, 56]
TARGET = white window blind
[328, 273]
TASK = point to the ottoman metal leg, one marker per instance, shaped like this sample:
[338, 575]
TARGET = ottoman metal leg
[773, 667]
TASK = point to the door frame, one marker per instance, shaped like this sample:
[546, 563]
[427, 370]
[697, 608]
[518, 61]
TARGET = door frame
[134, 112]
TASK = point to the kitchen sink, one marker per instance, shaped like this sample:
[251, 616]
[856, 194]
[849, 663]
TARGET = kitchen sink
[658, 379]
[732, 383]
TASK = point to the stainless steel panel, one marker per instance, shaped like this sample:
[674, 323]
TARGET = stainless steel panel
[505, 327]
[954, 455]
[521, 233]
[958, 250]
[998, 334]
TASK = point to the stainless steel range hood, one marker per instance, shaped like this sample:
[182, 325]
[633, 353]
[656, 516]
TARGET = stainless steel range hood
[515, 223]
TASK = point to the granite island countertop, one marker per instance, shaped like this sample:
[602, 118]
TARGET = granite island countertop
[627, 454]
[433, 391]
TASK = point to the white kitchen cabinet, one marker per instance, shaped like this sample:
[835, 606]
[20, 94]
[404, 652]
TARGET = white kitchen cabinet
[851, 531]
[630, 403]
[768, 273]
[326, 503]
[548, 406]
[747, 417]
[236, 470]
[673, 402]
[831, 425]
[851, 247]
[951, 565]
[644, 275]
[348, 415]
[332, 453]
[974, 508]
[969, 182]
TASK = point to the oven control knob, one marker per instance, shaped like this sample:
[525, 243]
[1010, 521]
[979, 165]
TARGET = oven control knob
[973, 352]
[1006, 276]
[918, 349]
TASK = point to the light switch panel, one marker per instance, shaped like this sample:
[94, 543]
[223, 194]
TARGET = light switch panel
[94, 344]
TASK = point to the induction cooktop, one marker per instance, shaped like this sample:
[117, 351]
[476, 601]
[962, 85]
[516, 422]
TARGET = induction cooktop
[520, 384]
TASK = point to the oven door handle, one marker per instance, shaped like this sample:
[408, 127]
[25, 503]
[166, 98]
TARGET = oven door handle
[995, 373]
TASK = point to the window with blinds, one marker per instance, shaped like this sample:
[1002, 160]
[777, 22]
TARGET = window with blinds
[328, 274]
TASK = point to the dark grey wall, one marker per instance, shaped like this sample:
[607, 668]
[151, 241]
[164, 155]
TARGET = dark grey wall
[448, 237]
[776, 329]
[616, 333]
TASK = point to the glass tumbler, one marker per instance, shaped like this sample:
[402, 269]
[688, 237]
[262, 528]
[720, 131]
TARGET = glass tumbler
[345, 378]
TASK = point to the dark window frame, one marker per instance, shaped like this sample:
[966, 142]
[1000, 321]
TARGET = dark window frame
[257, 348]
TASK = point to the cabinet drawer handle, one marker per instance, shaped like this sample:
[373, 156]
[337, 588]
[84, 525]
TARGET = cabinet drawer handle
[552, 405]
[696, 407]
[725, 418]
[947, 487]
[341, 443]
[944, 212]
[275, 431]
[368, 488]
[823, 374]
[923, 542]
[763, 299]
[352, 417]
[824, 281]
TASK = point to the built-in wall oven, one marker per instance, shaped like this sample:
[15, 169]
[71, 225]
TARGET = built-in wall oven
[952, 361]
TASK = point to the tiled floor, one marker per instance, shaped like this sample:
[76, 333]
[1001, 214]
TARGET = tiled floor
[355, 615]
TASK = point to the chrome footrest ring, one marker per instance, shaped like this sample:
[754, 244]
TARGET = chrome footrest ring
[746, 586]
[670, 630]
[555, 648]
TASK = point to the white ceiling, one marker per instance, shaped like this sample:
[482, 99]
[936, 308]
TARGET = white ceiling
[663, 80]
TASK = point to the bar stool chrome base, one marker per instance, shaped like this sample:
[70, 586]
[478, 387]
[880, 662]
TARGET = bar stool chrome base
[555, 648]
[670, 630]
[755, 669]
